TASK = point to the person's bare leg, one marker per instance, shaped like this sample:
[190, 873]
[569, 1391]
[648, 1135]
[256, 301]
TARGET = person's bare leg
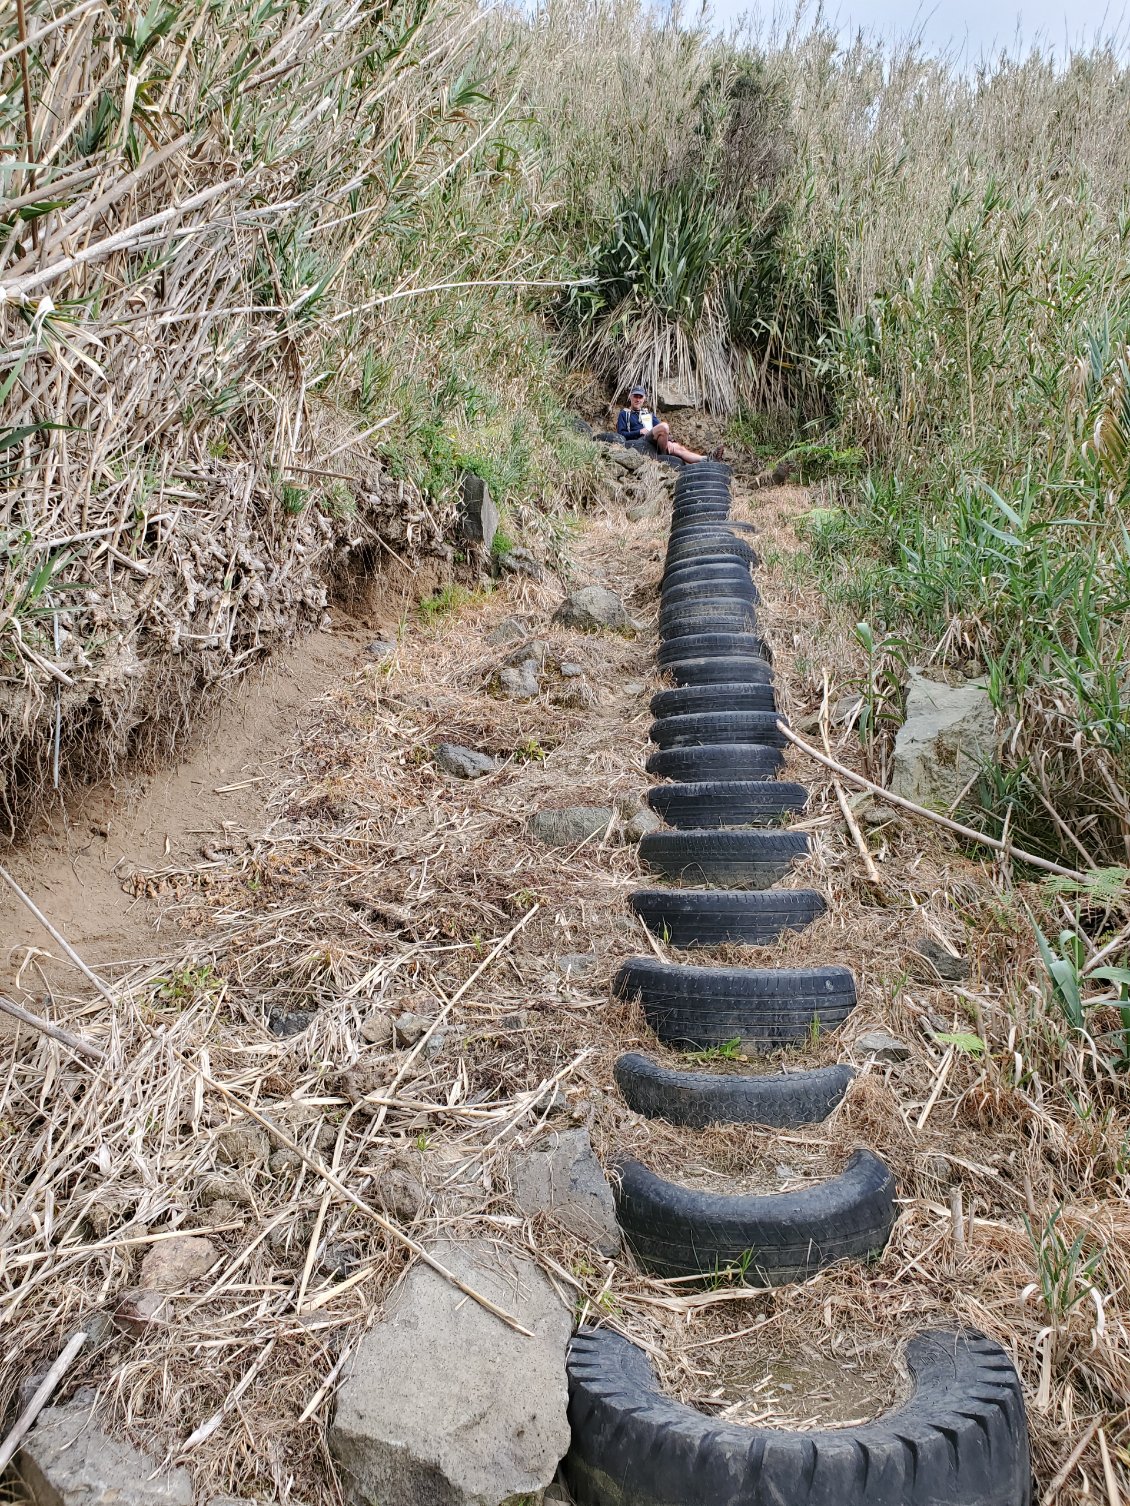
[690, 457]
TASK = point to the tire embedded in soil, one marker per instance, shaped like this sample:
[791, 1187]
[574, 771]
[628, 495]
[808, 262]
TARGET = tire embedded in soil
[961, 1439]
[781, 1100]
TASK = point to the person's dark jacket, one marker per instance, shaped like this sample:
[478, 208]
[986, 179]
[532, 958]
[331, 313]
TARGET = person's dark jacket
[630, 425]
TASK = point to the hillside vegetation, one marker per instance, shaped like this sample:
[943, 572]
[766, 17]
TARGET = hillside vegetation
[273, 279]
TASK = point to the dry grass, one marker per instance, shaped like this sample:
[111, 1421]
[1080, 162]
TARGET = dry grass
[379, 886]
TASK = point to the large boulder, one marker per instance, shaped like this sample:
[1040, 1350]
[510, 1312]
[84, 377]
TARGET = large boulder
[67, 1460]
[562, 1177]
[676, 393]
[443, 1404]
[949, 734]
[592, 609]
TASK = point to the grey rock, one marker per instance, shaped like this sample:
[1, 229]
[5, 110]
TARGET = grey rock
[624, 458]
[536, 649]
[948, 966]
[377, 1030]
[509, 630]
[634, 687]
[463, 763]
[675, 393]
[871, 812]
[444, 1405]
[948, 735]
[574, 964]
[380, 648]
[289, 1022]
[561, 1176]
[639, 823]
[478, 520]
[638, 513]
[67, 1460]
[846, 711]
[882, 1046]
[592, 609]
[410, 1027]
[337, 1259]
[571, 671]
[520, 561]
[175, 1263]
[520, 683]
[580, 425]
[568, 827]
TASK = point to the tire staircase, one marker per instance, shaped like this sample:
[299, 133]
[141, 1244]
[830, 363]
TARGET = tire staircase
[961, 1440]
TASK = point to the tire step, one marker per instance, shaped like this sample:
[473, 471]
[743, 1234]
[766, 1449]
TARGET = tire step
[697, 728]
[726, 696]
[727, 802]
[781, 1100]
[772, 1240]
[763, 1009]
[748, 917]
[728, 859]
[717, 762]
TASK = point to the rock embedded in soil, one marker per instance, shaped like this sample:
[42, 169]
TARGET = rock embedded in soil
[520, 683]
[948, 736]
[478, 519]
[175, 1263]
[68, 1460]
[509, 630]
[380, 648]
[882, 1046]
[377, 1030]
[561, 1176]
[138, 1312]
[624, 458]
[285, 1023]
[520, 561]
[639, 823]
[463, 763]
[574, 964]
[571, 826]
[411, 1028]
[951, 968]
[593, 609]
[443, 1402]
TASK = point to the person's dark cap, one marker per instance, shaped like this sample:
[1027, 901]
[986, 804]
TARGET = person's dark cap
[638, 392]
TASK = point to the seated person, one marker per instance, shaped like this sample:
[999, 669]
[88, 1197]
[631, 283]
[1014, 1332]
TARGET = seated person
[637, 422]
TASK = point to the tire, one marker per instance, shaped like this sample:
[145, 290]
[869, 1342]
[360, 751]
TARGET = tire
[961, 1439]
[780, 1100]
[773, 1239]
[711, 468]
[706, 803]
[726, 669]
[698, 727]
[701, 1008]
[710, 917]
[689, 699]
[739, 588]
[728, 763]
[683, 550]
[724, 571]
[711, 646]
[687, 620]
[728, 859]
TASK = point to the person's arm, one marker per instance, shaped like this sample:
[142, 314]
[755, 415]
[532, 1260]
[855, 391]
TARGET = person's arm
[624, 424]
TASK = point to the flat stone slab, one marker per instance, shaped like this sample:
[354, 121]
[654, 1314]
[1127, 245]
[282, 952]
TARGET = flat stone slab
[443, 1404]
[463, 763]
[949, 734]
[67, 1460]
[568, 827]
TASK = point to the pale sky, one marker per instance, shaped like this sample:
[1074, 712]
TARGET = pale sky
[970, 28]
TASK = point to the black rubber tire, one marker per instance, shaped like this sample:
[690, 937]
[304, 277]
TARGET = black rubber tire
[697, 805]
[773, 1239]
[708, 494]
[726, 669]
[727, 763]
[710, 917]
[701, 1008]
[961, 1439]
[689, 699]
[728, 859]
[695, 619]
[693, 587]
[698, 727]
[712, 646]
[685, 549]
[723, 572]
[781, 1100]
[711, 468]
